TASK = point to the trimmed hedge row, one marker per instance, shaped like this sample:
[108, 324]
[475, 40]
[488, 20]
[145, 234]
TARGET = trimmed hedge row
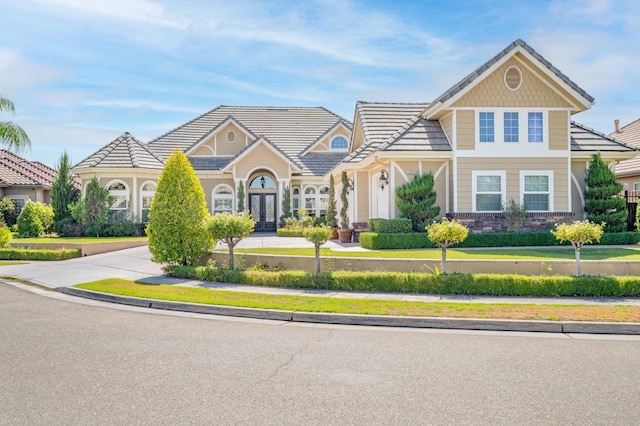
[286, 232]
[399, 282]
[390, 226]
[35, 254]
[415, 240]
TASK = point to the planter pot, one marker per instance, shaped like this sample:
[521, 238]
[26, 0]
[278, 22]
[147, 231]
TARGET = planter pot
[345, 235]
[334, 233]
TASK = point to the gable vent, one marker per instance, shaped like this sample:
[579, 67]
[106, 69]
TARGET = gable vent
[513, 78]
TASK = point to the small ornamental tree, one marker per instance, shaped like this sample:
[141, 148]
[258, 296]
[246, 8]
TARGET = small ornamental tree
[93, 210]
[240, 208]
[178, 215]
[446, 233]
[63, 194]
[332, 212]
[318, 235]
[344, 210]
[416, 199]
[602, 202]
[286, 203]
[230, 229]
[578, 233]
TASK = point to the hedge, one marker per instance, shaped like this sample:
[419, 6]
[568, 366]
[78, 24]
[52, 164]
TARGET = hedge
[36, 254]
[390, 226]
[415, 240]
[400, 282]
[290, 232]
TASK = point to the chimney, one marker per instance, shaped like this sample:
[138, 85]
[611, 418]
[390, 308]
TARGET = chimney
[616, 124]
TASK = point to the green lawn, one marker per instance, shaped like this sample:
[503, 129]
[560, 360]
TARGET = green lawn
[557, 253]
[366, 306]
[12, 263]
[79, 240]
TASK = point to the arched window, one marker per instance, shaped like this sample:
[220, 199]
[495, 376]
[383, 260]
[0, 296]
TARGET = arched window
[222, 199]
[310, 202]
[147, 191]
[119, 192]
[295, 199]
[262, 182]
[339, 143]
[323, 199]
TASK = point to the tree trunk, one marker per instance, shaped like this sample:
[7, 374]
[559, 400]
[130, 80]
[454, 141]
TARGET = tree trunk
[231, 255]
[317, 259]
[444, 259]
[578, 271]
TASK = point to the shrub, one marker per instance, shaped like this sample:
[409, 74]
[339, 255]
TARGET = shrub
[290, 232]
[416, 199]
[177, 218]
[45, 214]
[63, 193]
[400, 282]
[29, 223]
[93, 210]
[5, 235]
[41, 254]
[390, 226]
[332, 212]
[304, 220]
[121, 228]
[8, 211]
[344, 200]
[515, 215]
[602, 201]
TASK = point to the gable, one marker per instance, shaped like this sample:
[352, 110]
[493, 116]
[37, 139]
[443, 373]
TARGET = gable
[324, 144]
[536, 90]
[259, 156]
[228, 140]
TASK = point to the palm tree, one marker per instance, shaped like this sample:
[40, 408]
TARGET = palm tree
[11, 135]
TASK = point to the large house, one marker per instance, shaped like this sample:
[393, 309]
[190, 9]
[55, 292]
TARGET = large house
[504, 132]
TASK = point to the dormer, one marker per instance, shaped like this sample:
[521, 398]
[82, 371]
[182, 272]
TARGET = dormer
[227, 139]
[334, 140]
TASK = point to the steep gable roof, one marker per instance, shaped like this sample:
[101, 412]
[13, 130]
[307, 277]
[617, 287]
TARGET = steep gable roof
[16, 171]
[340, 123]
[123, 152]
[510, 50]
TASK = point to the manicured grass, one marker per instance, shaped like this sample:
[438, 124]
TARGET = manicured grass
[80, 240]
[366, 306]
[12, 263]
[555, 253]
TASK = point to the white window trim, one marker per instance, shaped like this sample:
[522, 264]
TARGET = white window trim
[474, 185]
[523, 126]
[296, 197]
[116, 192]
[322, 197]
[304, 197]
[549, 174]
[225, 197]
[144, 193]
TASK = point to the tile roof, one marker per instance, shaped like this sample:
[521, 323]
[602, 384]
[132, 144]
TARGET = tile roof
[123, 152]
[484, 67]
[290, 129]
[15, 171]
[585, 139]
[629, 134]
[209, 163]
[383, 123]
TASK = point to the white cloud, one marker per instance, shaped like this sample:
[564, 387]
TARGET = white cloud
[19, 73]
[142, 105]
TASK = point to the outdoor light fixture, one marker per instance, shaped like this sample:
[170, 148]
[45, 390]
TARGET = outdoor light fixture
[383, 179]
[262, 181]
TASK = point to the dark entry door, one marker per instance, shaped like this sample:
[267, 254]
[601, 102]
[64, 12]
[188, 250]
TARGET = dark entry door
[263, 211]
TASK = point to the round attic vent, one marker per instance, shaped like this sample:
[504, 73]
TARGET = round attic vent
[231, 136]
[513, 78]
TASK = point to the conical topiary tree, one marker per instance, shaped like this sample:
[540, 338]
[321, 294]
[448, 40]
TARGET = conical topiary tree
[332, 212]
[178, 215]
[602, 202]
[416, 200]
[240, 197]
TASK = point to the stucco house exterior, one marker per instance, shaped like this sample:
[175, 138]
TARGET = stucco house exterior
[628, 171]
[503, 132]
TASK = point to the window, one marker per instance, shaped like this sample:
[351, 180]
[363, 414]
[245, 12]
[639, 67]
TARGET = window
[536, 191]
[323, 199]
[262, 182]
[488, 191]
[231, 136]
[487, 131]
[119, 193]
[339, 142]
[147, 191]
[295, 199]
[636, 187]
[511, 127]
[222, 199]
[310, 200]
[513, 78]
[535, 127]
[19, 202]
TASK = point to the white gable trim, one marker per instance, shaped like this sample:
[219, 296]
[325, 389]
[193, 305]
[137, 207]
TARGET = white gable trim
[252, 147]
[213, 135]
[325, 139]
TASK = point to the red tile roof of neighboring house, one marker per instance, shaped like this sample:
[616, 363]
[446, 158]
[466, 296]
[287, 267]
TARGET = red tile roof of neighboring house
[17, 171]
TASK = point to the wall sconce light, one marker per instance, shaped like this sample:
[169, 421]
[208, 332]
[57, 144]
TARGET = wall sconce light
[383, 179]
[350, 184]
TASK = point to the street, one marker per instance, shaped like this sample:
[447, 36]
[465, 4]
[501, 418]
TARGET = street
[68, 361]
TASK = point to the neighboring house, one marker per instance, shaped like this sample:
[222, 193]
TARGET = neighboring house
[265, 148]
[23, 180]
[504, 132]
[628, 171]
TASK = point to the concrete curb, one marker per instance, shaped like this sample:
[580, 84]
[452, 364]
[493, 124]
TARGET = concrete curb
[375, 320]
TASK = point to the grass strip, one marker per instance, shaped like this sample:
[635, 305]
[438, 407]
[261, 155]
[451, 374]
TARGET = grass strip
[617, 313]
[12, 263]
[556, 253]
[79, 240]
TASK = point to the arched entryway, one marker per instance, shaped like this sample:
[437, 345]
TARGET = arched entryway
[263, 201]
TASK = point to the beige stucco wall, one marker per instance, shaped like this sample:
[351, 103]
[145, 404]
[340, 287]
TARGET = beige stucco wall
[362, 197]
[492, 91]
[209, 183]
[325, 143]
[512, 167]
[223, 147]
[559, 130]
[18, 192]
[358, 134]
[465, 129]
[261, 157]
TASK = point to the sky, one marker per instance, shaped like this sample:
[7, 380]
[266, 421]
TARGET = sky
[81, 72]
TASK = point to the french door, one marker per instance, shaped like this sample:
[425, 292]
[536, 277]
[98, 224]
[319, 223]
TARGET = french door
[263, 211]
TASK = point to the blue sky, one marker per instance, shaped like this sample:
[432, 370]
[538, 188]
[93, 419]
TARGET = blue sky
[83, 72]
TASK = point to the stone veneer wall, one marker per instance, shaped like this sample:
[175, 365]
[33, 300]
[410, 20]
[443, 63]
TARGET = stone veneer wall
[495, 222]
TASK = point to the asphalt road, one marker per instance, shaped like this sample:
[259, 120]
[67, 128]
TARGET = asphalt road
[81, 362]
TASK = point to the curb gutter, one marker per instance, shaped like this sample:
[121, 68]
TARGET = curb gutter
[375, 320]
